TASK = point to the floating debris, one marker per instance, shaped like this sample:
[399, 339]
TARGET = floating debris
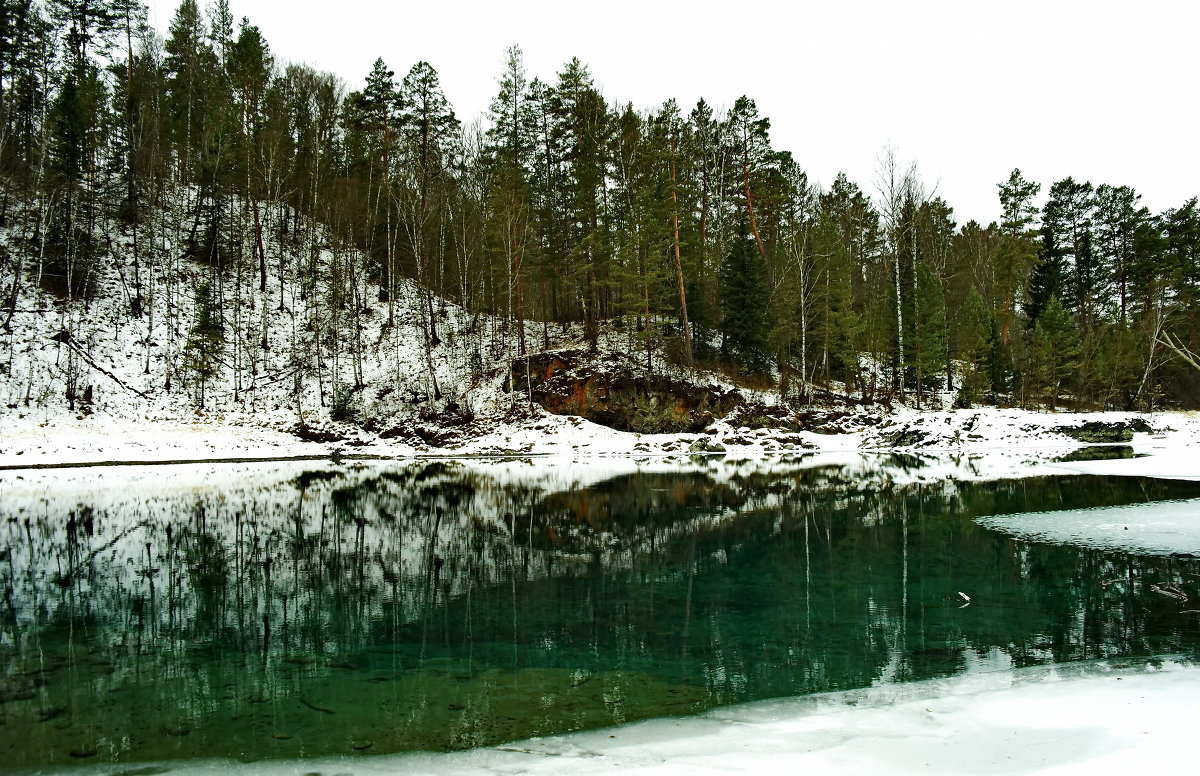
[315, 707]
[1170, 592]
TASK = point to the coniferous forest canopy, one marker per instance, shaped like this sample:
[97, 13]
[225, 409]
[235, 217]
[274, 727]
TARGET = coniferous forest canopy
[680, 225]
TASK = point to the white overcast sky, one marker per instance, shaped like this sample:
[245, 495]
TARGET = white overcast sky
[1102, 91]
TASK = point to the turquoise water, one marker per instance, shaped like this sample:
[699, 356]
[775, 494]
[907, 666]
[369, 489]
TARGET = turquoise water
[444, 605]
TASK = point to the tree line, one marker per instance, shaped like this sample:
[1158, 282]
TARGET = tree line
[684, 231]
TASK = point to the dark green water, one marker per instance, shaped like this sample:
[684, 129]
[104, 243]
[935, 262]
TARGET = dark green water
[443, 606]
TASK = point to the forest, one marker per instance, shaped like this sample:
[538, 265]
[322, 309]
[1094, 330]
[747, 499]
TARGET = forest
[203, 174]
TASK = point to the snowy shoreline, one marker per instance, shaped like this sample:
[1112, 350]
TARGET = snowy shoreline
[29, 442]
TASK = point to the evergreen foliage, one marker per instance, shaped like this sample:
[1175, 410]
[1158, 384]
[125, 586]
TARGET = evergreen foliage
[686, 228]
[202, 354]
[744, 303]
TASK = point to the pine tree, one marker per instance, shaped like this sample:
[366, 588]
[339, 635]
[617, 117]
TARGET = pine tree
[88, 26]
[1068, 222]
[581, 132]
[1118, 220]
[1016, 202]
[510, 156]
[547, 202]
[705, 149]
[671, 127]
[750, 145]
[1017, 254]
[429, 133]
[637, 217]
[190, 65]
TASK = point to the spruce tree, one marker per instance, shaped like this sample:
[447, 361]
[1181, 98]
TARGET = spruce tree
[206, 341]
[1049, 278]
[744, 323]
[1053, 353]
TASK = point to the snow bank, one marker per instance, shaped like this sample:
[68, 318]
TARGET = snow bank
[981, 443]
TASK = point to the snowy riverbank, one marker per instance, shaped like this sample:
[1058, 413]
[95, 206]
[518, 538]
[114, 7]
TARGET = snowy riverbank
[1172, 448]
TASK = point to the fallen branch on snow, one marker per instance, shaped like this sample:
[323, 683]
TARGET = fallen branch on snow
[64, 337]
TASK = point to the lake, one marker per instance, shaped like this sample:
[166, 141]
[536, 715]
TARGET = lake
[294, 610]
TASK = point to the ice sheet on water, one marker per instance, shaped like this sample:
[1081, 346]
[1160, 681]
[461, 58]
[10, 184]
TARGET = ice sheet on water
[1161, 528]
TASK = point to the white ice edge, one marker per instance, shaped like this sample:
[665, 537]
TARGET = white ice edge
[57, 439]
[1159, 528]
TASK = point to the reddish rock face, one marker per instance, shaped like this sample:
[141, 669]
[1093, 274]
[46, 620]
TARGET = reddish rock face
[568, 383]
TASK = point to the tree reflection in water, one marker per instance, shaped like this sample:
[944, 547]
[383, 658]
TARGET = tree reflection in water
[443, 605]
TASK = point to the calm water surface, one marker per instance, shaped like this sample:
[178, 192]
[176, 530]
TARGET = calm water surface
[288, 612]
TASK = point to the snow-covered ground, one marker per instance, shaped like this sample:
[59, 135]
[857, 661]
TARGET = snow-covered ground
[33, 439]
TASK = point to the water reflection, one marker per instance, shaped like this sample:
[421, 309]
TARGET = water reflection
[445, 605]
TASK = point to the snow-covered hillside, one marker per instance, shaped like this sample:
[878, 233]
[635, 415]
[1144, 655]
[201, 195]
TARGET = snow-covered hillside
[87, 381]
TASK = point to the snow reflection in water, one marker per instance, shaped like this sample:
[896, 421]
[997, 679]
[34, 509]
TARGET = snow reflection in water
[295, 611]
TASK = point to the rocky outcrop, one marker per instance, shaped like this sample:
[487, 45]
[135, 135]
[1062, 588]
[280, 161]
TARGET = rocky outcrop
[611, 393]
[1098, 432]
